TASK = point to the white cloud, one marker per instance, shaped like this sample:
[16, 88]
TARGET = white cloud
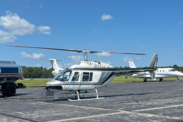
[68, 65]
[44, 29]
[34, 55]
[25, 55]
[103, 54]
[182, 48]
[40, 6]
[6, 37]
[95, 31]
[76, 58]
[37, 55]
[126, 59]
[16, 25]
[108, 62]
[106, 17]
[138, 58]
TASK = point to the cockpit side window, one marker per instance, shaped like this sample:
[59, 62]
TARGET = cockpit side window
[63, 76]
[85, 77]
[66, 76]
[75, 77]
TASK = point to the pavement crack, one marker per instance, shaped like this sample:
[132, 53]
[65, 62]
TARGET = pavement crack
[18, 117]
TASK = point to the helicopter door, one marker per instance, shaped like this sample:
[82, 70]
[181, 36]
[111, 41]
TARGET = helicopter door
[86, 80]
[75, 82]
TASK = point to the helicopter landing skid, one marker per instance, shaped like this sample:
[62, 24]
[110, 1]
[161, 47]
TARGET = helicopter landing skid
[79, 99]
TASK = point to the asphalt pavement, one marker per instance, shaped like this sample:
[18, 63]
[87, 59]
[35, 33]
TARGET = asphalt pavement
[123, 102]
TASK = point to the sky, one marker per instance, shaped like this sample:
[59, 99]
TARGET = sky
[134, 26]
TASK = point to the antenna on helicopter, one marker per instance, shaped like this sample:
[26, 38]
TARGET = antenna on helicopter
[77, 60]
[79, 51]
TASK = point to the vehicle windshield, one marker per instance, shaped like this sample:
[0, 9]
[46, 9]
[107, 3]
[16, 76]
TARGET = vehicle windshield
[63, 75]
[173, 70]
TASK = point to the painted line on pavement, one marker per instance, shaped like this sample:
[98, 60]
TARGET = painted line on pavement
[149, 109]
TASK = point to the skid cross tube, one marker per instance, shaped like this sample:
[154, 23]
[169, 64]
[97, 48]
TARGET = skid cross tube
[79, 99]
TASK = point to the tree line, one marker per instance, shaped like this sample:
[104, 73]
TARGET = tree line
[37, 72]
[40, 72]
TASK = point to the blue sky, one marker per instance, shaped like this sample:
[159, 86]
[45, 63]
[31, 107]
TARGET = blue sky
[101, 25]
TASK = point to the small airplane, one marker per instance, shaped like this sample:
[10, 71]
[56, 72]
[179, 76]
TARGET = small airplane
[160, 73]
[54, 64]
[89, 75]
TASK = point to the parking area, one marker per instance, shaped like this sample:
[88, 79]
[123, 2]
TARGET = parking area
[128, 102]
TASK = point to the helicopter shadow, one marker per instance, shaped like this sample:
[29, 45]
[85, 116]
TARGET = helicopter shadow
[128, 94]
[105, 96]
[20, 94]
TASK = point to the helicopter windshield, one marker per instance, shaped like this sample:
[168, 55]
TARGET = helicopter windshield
[63, 75]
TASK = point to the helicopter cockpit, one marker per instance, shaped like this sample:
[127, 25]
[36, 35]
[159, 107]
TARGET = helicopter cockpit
[63, 75]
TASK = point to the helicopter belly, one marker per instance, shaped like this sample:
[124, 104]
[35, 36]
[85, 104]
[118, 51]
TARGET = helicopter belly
[77, 87]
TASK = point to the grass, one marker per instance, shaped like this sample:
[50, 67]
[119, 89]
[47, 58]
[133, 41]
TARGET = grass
[33, 83]
[121, 79]
[117, 79]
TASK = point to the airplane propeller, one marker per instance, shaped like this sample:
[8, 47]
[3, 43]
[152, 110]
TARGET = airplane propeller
[79, 51]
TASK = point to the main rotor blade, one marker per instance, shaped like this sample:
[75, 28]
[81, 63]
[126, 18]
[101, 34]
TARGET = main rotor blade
[117, 53]
[128, 53]
[79, 51]
[47, 48]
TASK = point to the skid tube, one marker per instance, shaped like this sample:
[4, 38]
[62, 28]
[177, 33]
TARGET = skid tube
[79, 99]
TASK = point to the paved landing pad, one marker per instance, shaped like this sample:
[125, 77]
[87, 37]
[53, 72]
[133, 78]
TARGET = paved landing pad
[127, 102]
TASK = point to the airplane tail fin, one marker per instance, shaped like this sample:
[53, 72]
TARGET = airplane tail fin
[154, 61]
[131, 63]
[53, 62]
[153, 65]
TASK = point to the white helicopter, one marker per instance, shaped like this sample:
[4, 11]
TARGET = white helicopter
[54, 64]
[90, 75]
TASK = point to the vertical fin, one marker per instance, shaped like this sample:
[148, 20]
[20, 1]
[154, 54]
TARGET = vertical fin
[154, 61]
[131, 63]
[54, 64]
[153, 65]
